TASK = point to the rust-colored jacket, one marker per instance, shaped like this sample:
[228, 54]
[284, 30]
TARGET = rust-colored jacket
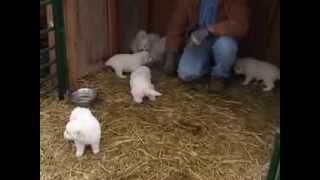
[232, 20]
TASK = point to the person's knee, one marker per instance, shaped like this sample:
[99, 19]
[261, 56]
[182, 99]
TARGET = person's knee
[226, 45]
[192, 63]
[187, 74]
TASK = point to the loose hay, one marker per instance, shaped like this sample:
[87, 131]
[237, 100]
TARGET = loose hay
[183, 135]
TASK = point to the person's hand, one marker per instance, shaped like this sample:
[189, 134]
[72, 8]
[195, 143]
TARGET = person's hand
[199, 35]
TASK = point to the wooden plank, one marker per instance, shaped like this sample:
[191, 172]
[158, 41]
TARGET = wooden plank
[256, 42]
[132, 16]
[51, 42]
[71, 31]
[113, 26]
[144, 13]
[92, 35]
[160, 13]
[273, 51]
[92, 28]
[128, 23]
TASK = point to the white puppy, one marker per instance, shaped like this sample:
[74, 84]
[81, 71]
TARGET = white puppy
[254, 69]
[144, 41]
[141, 85]
[128, 62]
[84, 129]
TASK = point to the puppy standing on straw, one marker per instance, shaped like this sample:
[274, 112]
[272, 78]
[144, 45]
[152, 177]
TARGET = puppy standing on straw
[141, 85]
[84, 129]
[128, 62]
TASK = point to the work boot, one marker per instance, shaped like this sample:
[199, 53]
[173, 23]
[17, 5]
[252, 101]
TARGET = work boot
[216, 85]
[199, 84]
[171, 62]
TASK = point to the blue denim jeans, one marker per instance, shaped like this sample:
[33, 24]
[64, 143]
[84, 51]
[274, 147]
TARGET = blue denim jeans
[215, 58]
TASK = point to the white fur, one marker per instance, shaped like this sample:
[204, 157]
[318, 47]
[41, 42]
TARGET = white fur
[151, 43]
[144, 41]
[254, 69]
[128, 62]
[141, 85]
[84, 129]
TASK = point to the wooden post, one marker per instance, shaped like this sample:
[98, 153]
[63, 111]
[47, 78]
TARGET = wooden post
[51, 42]
[113, 26]
[273, 51]
[71, 29]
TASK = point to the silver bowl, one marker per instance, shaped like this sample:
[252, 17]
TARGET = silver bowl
[83, 97]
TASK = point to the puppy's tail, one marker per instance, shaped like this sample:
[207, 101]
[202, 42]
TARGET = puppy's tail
[153, 92]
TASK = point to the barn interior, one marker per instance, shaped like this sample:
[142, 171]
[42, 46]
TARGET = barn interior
[185, 133]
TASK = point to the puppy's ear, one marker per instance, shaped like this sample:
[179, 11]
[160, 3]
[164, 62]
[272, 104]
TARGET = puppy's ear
[141, 34]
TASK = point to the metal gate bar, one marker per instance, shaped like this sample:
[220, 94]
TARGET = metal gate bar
[274, 171]
[59, 48]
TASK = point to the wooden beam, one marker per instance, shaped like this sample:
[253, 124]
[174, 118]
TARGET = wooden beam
[51, 42]
[71, 31]
[273, 50]
[113, 26]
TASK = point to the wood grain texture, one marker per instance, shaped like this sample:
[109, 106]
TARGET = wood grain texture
[160, 14]
[51, 42]
[133, 16]
[263, 39]
[112, 17]
[71, 31]
[273, 54]
[92, 31]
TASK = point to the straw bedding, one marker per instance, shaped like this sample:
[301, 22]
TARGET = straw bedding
[184, 134]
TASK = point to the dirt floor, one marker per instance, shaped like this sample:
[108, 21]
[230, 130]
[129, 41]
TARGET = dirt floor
[183, 135]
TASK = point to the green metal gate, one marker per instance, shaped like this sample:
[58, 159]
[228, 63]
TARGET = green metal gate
[274, 172]
[59, 62]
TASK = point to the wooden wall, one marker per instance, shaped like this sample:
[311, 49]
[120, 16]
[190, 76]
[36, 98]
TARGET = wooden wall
[159, 14]
[97, 29]
[87, 37]
[92, 37]
[151, 15]
[263, 40]
[133, 16]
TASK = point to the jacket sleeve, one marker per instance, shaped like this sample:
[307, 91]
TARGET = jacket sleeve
[176, 34]
[237, 23]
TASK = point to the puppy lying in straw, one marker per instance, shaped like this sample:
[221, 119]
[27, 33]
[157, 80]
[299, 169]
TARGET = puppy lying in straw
[84, 129]
[141, 86]
[254, 69]
[128, 62]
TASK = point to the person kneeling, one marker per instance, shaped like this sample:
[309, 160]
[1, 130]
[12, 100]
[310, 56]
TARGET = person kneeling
[215, 28]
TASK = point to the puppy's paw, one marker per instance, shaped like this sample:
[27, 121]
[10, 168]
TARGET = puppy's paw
[267, 89]
[95, 151]
[122, 76]
[138, 101]
[79, 153]
[244, 83]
